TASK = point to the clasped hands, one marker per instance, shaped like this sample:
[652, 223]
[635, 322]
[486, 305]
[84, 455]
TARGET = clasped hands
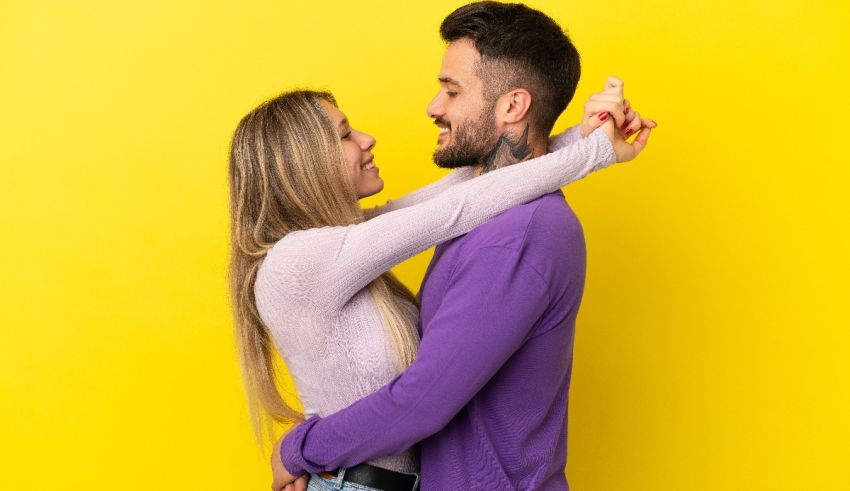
[611, 111]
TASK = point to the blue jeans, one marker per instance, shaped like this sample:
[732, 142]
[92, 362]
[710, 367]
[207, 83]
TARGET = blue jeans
[319, 483]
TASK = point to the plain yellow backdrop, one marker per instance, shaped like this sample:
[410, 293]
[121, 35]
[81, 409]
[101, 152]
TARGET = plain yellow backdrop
[712, 344]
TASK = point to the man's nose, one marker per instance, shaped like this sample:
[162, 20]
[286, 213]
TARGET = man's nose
[435, 108]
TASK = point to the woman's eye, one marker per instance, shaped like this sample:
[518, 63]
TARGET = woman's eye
[346, 135]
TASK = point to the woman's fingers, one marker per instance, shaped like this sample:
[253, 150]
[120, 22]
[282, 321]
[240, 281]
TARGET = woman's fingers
[598, 106]
[614, 86]
[630, 114]
[624, 150]
[614, 83]
[632, 126]
[610, 106]
[606, 105]
[601, 96]
[616, 104]
[639, 142]
[613, 91]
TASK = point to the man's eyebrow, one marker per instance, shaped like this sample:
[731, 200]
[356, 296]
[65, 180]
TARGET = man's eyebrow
[449, 80]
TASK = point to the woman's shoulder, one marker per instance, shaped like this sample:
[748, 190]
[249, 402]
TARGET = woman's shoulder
[305, 245]
[296, 257]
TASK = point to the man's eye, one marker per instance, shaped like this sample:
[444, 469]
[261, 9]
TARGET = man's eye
[451, 94]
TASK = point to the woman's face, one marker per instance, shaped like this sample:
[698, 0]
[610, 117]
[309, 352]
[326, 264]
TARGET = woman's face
[357, 149]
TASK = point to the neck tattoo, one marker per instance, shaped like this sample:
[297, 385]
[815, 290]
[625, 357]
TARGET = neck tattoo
[507, 152]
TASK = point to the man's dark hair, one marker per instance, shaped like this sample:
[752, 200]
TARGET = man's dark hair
[520, 48]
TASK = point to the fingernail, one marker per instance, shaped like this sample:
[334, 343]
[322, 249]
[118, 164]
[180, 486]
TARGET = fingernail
[603, 116]
[629, 131]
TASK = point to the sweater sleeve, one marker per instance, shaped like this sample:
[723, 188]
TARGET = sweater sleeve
[422, 194]
[565, 138]
[493, 303]
[337, 262]
[556, 142]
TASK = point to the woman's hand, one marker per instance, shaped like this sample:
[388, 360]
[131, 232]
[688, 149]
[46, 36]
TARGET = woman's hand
[610, 111]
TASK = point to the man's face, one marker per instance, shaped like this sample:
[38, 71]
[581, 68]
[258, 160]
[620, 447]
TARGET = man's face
[466, 121]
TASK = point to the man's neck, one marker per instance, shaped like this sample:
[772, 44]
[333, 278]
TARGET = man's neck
[511, 149]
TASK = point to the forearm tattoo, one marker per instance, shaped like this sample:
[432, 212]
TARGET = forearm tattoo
[507, 152]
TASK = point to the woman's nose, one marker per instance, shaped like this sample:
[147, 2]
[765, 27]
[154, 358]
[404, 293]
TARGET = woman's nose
[367, 142]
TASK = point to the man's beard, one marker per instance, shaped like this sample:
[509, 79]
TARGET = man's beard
[471, 141]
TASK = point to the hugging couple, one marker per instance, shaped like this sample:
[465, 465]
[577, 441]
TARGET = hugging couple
[464, 386]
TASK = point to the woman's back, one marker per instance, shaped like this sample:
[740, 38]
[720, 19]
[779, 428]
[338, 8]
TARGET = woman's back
[337, 354]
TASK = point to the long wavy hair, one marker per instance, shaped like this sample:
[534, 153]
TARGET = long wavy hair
[287, 173]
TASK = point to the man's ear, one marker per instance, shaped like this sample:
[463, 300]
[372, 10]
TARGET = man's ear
[514, 106]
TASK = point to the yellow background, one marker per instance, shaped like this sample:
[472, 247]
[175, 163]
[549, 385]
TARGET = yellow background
[712, 344]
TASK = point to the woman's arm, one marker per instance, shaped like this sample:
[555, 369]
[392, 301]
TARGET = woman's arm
[556, 142]
[565, 138]
[422, 194]
[337, 262]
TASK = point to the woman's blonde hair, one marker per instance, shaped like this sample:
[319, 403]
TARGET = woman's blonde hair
[287, 172]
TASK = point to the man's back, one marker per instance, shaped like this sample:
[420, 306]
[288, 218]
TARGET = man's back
[521, 275]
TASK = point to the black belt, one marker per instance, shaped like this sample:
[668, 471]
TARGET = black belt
[376, 477]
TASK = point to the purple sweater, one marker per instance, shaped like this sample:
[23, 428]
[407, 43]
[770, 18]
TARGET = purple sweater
[487, 394]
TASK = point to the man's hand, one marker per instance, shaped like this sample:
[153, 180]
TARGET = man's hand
[609, 110]
[282, 480]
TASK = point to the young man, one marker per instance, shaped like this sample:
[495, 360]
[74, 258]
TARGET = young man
[487, 394]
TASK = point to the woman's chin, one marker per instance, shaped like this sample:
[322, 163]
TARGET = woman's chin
[371, 189]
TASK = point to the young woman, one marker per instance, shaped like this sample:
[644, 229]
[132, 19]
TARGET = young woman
[309, 270]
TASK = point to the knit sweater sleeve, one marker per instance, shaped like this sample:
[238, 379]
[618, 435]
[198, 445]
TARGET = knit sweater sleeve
[456, 176]
[422, 194]
[565, 138]
[334, 263]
